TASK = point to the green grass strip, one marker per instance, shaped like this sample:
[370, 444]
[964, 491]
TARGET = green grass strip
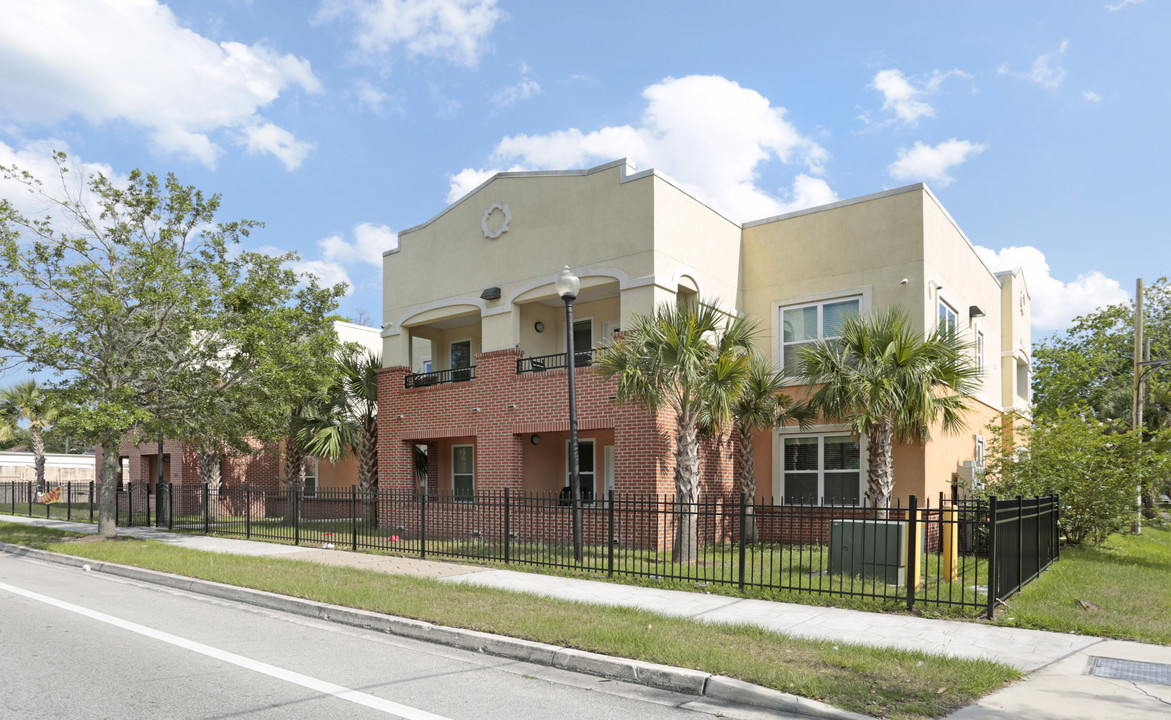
[1125, 585]
[880, 682]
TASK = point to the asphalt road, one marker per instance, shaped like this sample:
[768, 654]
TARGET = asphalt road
[84, 645]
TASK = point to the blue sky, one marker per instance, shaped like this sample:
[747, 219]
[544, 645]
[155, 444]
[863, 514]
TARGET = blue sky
[1042, 126]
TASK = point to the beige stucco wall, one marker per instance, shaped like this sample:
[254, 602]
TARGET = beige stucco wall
[862, 248]
[693, 241]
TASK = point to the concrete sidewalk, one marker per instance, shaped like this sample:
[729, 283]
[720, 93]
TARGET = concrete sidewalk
[1058, 663]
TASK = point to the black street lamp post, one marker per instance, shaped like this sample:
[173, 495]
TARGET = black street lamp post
[567, 286]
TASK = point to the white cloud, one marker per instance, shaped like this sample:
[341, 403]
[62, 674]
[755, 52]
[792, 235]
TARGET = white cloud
[523, 90]
[369, 96]
[327, 273]
[36, 158]
[708, 133]
[455, 30]
[278, 142]
[899, 95]
[1045, 71]
[1091, 96]
[1055, 303]
[132, 61]
[1123, 3]
[370, 241]
[924, 162]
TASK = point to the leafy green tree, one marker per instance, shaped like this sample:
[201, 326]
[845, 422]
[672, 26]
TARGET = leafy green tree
[694, 361]
[890, 383]
[148, 314]
[28, 402]
[761, 406]
[1091, 465]
[1090, 367]
[345, 423]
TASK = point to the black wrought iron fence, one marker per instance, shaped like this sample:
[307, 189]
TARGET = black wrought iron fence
[967, 554]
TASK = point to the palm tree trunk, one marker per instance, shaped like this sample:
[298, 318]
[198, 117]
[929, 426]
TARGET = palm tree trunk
[880, 468]
[209, 469]
[747, 477]
[294, 477]
[38, 443]
[368, 473]
[686, 493]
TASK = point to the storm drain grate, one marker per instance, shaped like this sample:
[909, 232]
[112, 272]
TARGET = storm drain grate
[1131, 670]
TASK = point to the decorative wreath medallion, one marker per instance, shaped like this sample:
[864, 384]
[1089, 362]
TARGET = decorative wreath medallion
[1022, 303]
[496, 219]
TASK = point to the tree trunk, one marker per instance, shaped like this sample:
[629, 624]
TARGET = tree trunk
[108, 486]
[747, 482]
[368, 473]
[38, 443]
[880, 468]
[209, 469]
[686, 494]
[294, 477]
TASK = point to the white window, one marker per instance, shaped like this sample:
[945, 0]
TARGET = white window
[947, 317]
[463, 472]
[821, 469]
[311, 474]
[980, 353]
[979, 451]
[586, 473]
[805, 324]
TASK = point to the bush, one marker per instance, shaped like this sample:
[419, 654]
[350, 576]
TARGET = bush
[1092, 466]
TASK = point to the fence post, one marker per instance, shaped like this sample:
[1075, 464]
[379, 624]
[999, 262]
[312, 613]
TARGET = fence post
[743, 537]
[423, 525]
[91, 501]
[148, 504]
[30, 499]
[992, 532]
[1020, 542]
[69, 500]
[1056, 499]
[205, 497]
[912, 571]
[170, 505]
[610, 535]
[296, 500]
[46, 504]
[507, 525]
[354, 518]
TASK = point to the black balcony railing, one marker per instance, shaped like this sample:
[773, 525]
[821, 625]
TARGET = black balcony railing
[541, 363]
[440, 377]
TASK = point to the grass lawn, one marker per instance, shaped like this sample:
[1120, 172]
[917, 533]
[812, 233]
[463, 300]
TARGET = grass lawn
[886, 683]
[1126, 582]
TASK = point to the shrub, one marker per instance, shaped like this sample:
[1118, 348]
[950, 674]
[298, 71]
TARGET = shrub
[1092, 466]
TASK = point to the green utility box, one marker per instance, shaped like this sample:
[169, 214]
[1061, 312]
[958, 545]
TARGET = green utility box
[871, 549]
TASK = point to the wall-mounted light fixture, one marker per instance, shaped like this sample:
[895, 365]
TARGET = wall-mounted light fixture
[492, 293]
[535, 439]
[974, 311]
[475, 410]
[539, 326]
[510, 406]
[399, 417]
[904, 281]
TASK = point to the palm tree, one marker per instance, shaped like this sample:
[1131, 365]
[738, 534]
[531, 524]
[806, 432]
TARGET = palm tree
[346, 422]
[890, 383]
[694, 361]
[761, 406]
[28, 401]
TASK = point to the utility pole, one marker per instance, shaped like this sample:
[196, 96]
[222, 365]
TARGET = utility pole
[1137, 406]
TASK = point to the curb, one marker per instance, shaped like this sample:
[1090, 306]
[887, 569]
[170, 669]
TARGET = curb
[663, 677]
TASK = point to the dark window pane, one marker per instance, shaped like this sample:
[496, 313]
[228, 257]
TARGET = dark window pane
[801, 488]
[841, 488]
[801, 453]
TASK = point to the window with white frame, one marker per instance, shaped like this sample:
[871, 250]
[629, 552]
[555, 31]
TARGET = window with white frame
[821, 469]
[979, 451]
[948, 318]
[311, 473]
[803, 325]
[586, 468]
[463, 472]
[980, 353]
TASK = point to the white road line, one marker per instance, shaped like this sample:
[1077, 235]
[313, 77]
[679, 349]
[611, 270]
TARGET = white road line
[387, 706]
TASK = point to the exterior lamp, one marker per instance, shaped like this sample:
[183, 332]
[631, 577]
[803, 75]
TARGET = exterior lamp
[567, 286]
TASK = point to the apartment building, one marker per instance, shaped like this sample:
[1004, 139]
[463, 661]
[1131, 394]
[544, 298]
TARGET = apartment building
[474, 333]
